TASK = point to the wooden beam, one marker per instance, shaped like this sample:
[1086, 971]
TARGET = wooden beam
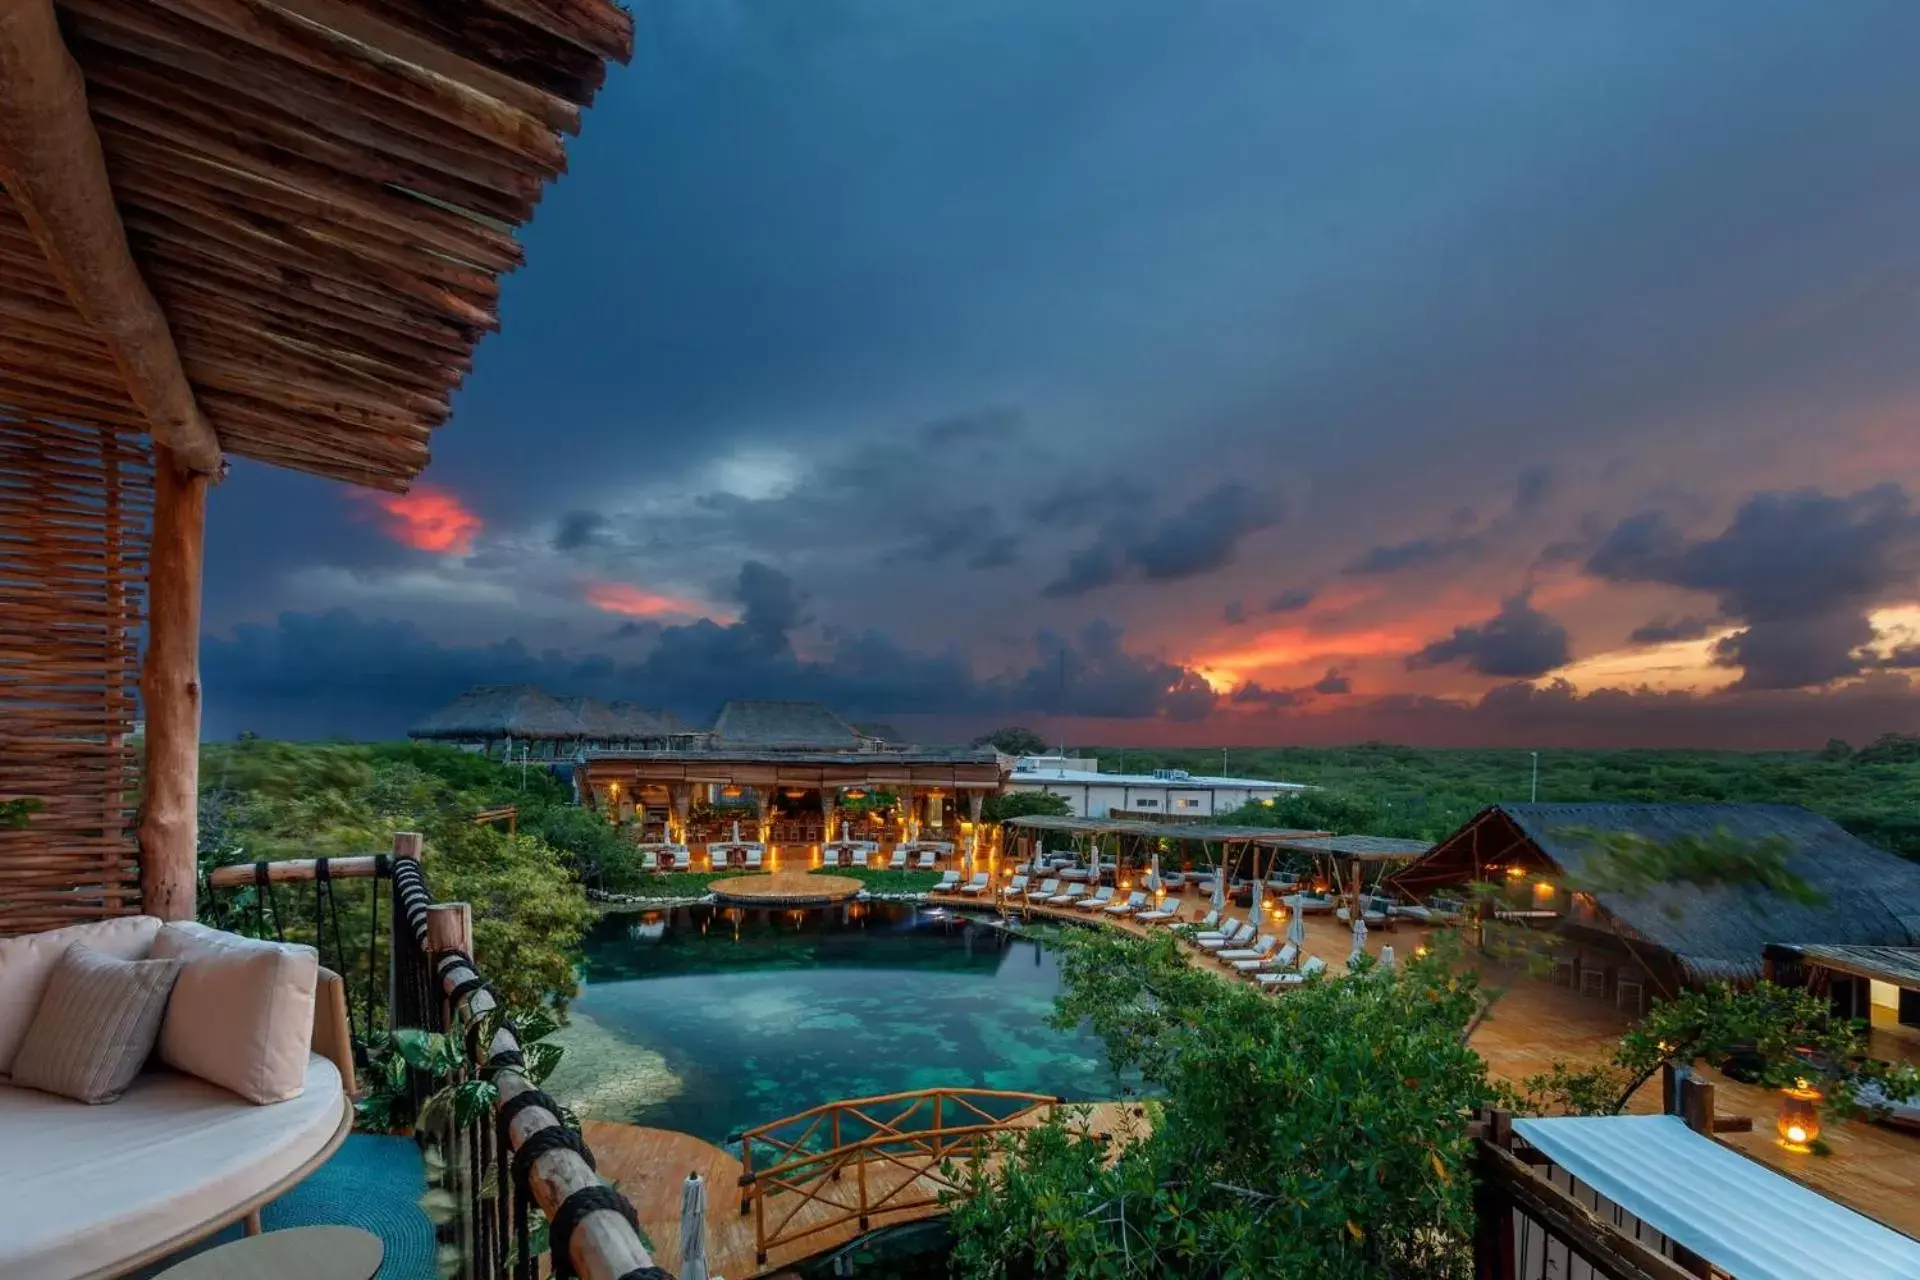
[170, 691]
[56, 173]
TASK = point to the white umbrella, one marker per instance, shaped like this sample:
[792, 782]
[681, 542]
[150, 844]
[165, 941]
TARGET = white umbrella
[1253, 911]
[1297, 927]
[1156, 873]
[1094, 878]
[1386, 957]
[736, 831]
[1359, 933]
[693, 1228]
[1220, 886]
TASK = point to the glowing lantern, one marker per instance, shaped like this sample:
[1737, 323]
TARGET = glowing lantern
[1514, 873]
[1799, 1123]
[856, 793]
[730, 791]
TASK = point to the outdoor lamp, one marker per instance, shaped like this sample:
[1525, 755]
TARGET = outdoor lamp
[1799, 1123]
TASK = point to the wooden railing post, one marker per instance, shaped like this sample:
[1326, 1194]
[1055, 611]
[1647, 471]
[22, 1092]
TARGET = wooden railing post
[1493, 1253]
[860, 1169]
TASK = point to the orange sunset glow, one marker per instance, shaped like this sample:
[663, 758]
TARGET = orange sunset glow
[633, 602]
[428, 518]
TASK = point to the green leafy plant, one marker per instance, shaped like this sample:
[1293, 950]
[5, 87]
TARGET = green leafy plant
[1320, 1135]
[18, 813]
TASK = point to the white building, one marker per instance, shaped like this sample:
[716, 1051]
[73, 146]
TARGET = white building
[1164, 792]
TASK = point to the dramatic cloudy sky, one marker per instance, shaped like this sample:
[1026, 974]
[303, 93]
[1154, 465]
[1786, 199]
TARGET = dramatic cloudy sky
[1172, 371]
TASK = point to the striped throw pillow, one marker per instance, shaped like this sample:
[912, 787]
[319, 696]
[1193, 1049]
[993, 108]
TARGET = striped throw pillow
[95, 1025]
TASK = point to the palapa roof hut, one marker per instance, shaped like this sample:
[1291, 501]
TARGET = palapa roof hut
[1711, 933]
[271, 229]
[491, 713]
[637, 724]
[783, 726]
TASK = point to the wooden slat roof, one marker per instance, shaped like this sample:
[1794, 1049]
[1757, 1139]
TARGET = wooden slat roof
[321, 195]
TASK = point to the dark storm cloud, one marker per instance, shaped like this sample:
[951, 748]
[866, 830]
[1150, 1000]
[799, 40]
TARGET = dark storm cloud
[1534, 488]
[1198, 539]
[1517, 641]
[1234, 614]
[1291, 600]
[1905, 658]
[1664, 630]
[1084, 501]
[579, 529]
[1413, 554]
[1800, 570]
[1333, 683]
[313, 675]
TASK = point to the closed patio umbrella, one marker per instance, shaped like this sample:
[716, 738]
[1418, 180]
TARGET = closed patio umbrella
[693, 1228]
[1386, 957]
[1156, 873]
[1359, 934]
[1220, 886]
[1297, 927]
[1253, 911]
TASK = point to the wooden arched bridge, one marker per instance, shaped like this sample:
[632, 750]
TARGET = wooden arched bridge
[815, 1180]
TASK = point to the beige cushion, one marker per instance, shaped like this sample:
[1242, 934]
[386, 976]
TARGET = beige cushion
[242, 1011]
[95, 1026]
[26, 963]
[106, 1184]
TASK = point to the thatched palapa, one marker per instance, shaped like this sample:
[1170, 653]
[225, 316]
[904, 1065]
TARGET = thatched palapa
[1718, 932]
[493, 712]
[755, 723]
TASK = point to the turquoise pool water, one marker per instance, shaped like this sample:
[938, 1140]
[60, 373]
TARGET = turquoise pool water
[747, 1016]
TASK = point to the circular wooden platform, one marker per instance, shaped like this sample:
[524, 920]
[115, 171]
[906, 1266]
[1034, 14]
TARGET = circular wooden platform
[785, 889]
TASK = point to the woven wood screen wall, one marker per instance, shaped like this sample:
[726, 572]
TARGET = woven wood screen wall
[75, 508]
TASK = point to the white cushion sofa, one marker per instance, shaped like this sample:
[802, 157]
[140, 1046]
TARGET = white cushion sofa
[95, 1191]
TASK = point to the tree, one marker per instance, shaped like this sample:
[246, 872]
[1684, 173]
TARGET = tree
[1014, 740]
[1323, 1135]
[1024, 804]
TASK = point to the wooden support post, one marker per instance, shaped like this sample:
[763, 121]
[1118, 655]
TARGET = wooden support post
[450, 928]
[1672, 1075]
[406, 844]
[170, 692]
[1696, 1105]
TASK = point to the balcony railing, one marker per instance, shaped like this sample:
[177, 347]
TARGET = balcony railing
[516, 1172]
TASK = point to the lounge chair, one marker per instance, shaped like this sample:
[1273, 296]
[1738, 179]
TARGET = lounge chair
[1046, 890]
[899, 860]
[753, 859]
[978, 885]
[1271, 964]
[682, 860]
[927, 858]
[1239, 937]
[860, 859]
[1135, 902]
[1310, 903]
[1159, 915]
[1097, 901]
[1209, 920]
[1016, 887]
[1260, 950]
[1074, 893]
[949, 881]
[1313, 965]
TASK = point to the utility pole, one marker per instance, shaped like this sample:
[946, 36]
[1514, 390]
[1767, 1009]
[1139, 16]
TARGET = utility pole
[1536, 776]
[1223, 762]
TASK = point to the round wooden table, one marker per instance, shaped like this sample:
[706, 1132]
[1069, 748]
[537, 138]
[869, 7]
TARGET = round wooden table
[298, 1253]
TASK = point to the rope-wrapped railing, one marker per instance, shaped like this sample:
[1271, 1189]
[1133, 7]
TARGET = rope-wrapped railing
[528, 1155]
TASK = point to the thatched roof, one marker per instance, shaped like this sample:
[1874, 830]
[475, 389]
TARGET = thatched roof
[1715, 932]
[747, 722]
[1899, 966]
[489, 711]
[597, 720]
[636, 722]
[879, 732]
[274, 229]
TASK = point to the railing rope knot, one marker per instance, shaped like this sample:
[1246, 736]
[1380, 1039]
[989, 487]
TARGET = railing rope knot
[575, 1207]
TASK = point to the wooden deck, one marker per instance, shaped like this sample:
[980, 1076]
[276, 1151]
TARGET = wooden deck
[649, 1166]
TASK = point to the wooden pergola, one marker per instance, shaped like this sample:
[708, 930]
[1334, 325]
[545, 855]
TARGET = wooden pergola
[270, 229]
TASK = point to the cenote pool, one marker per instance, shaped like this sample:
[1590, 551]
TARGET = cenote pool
[710, 1020]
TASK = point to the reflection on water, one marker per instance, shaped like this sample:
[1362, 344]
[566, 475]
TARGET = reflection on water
[761, 1013]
